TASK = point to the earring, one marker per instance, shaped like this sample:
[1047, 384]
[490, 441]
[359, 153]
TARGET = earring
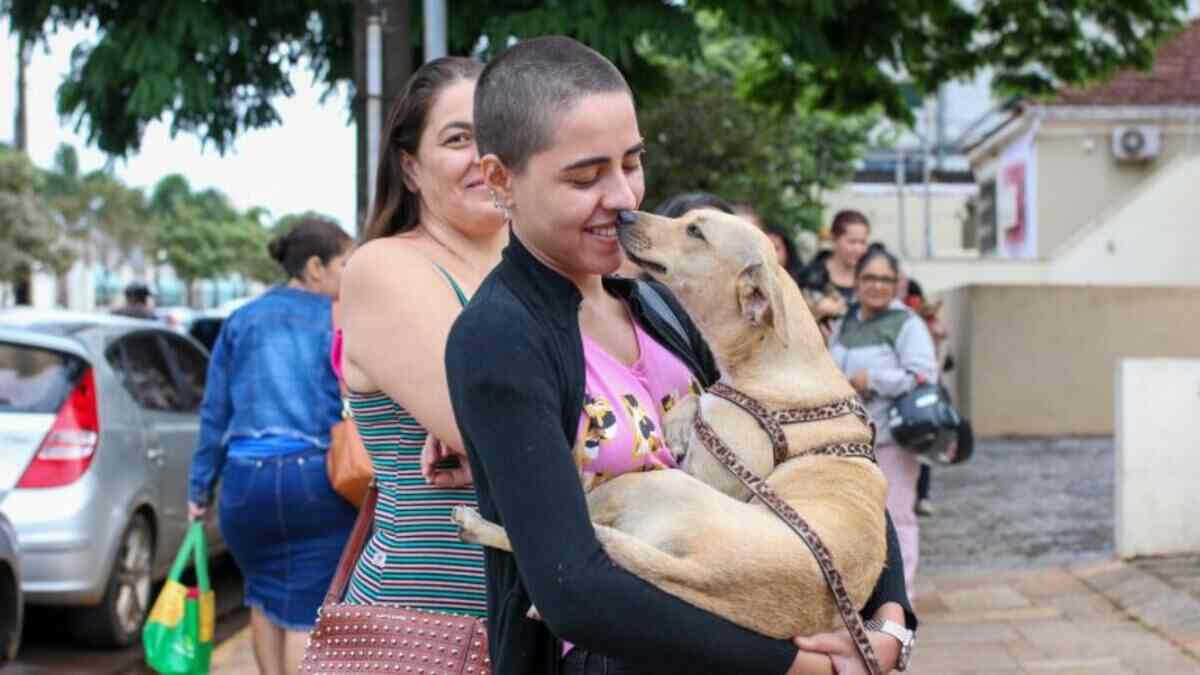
[502, 207]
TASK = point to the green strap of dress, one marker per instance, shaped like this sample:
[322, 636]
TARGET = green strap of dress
[462, 297]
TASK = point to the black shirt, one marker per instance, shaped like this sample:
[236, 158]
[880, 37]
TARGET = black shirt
[515, 367]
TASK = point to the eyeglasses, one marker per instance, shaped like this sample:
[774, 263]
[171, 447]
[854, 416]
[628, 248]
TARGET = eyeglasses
[876, 279]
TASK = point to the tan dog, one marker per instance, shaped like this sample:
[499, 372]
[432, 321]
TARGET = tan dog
[692, 533]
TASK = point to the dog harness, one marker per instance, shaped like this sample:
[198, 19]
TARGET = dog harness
[772, 422]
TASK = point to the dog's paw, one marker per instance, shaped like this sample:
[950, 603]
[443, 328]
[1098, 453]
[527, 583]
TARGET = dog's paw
[467, 519]
[677, 425]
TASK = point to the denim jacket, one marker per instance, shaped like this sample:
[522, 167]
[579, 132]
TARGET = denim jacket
[269, 375]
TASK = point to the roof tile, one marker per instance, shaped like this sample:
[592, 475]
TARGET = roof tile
[1174, 79]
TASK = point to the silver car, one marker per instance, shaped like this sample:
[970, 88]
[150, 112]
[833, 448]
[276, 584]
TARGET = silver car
[12, 606]
[98, 423]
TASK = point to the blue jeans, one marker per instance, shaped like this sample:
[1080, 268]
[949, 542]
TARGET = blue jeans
[286, 528]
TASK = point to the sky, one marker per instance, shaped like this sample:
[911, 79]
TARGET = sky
[305, 163]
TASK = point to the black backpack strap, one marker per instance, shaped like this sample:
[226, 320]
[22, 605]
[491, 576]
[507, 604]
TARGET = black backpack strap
[654, 301]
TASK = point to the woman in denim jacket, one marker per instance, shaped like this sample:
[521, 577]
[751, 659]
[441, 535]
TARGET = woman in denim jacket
[268, 408]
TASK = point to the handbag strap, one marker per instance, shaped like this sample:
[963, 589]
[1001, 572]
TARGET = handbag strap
[655, 301]
[354, 546]
[759, 488]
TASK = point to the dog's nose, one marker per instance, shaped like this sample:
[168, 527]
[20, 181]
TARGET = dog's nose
[626, 217]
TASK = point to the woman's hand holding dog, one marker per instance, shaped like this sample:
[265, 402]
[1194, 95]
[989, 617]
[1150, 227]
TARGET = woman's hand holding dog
[811, 663]
[839, 648]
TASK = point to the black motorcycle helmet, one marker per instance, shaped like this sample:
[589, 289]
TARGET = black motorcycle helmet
[924, 421]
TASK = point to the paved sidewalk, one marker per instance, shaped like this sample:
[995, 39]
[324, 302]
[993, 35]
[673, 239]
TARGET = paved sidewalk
[1091, 619]
[1104, 618]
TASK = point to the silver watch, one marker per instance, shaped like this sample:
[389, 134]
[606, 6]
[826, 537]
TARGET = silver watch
[905, 636]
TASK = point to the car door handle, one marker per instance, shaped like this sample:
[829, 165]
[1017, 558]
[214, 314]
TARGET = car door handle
[156, 455]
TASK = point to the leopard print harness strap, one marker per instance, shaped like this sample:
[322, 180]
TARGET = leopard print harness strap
[772, 422]
[759, 488]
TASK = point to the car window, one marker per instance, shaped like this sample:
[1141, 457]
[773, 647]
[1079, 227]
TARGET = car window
[143, 371]
[193, 367]
[35, 380]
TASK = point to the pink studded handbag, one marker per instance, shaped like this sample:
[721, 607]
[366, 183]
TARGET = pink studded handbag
[389, 638]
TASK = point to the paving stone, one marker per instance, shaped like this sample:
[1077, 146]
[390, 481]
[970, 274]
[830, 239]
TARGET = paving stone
[1089, 570]
[984, 599]
[1192, 647]
[1022, 651]
[1021, 615]
[1155, 663]
[1090, 666]
[1111, 576]
[1170, 612]
[1051, 583]
[1147, 652]
[1071, 640]
[955, 633]
[1086, 606]
[928, 604]
[953, 583]
[1137, 588]
[960, 658]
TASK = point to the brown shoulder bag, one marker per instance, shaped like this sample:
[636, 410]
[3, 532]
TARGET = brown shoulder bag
[389, 638]
[347, 463]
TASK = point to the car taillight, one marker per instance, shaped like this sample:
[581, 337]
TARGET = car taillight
[68, 448]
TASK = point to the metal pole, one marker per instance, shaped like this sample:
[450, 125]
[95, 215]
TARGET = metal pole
[374, 93]
[435, 29]
[20, 119]
[901, 220]
[928, 168]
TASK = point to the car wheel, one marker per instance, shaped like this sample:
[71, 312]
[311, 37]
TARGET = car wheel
[117, 621]
[11, 610]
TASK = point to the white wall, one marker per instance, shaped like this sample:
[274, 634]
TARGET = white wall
[1157, 456]
[43, 290]
[881, 204]
[942, 274]
[1152, 239]
[81, 287]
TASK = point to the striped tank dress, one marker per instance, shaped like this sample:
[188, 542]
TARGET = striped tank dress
[414, 557]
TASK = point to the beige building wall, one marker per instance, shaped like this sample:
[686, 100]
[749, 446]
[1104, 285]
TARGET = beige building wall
[1100, 222]
[1151, 239]
[1079, 181]
[881, 205]
[1040, 360]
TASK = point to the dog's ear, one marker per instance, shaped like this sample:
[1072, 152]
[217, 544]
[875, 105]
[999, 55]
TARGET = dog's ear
[761, 300]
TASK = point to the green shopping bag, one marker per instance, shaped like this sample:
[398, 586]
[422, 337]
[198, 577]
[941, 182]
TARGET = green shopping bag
[179, 631]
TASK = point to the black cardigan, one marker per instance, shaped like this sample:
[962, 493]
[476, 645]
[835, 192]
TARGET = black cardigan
[515, 367]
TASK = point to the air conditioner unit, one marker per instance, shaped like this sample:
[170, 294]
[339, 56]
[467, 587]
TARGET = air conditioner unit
[1136, 144]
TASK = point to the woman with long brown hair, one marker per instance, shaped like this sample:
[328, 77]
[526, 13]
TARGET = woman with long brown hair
[432, 237]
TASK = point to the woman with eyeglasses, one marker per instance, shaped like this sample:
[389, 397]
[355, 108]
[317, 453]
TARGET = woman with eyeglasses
[886, 351]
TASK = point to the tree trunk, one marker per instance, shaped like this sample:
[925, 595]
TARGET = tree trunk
[397, 55]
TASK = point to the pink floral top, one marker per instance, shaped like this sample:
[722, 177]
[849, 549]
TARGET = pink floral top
[624, 406]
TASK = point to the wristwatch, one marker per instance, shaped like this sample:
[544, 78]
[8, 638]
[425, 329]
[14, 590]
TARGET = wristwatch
[905, 636]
